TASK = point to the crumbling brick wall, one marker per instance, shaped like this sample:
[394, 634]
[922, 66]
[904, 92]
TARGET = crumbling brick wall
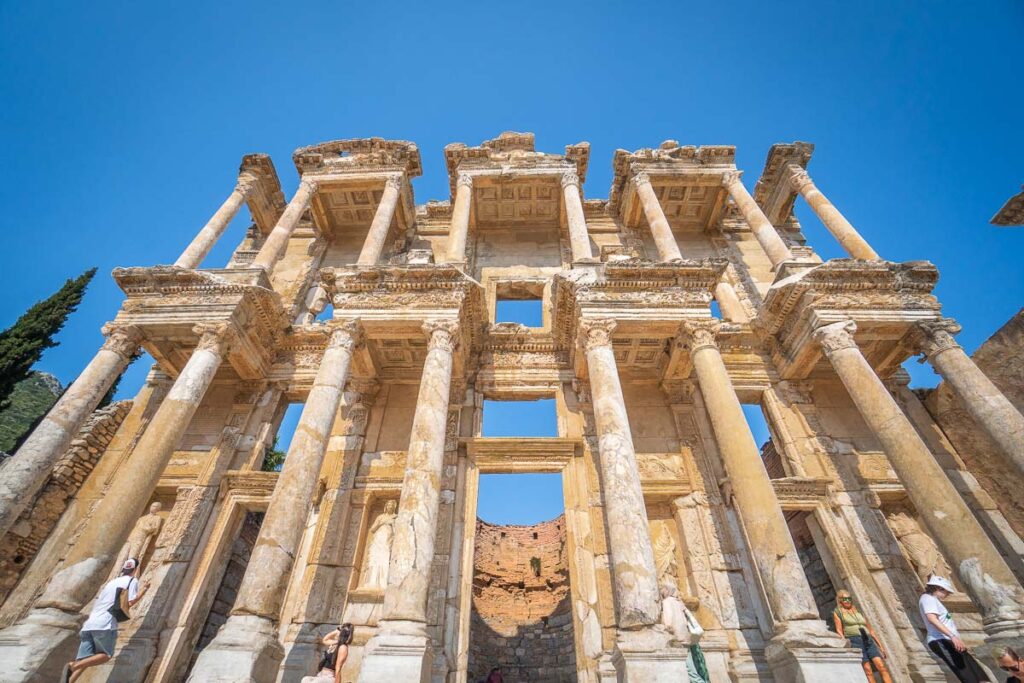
[20, 545]
[522, 617]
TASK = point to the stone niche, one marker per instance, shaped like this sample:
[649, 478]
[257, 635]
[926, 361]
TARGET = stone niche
[522, 613]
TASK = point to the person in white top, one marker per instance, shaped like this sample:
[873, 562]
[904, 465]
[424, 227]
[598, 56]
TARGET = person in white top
[943, 636]
[99, 632]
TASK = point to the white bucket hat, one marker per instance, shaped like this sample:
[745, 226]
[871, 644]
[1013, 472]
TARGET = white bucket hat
[941, 582]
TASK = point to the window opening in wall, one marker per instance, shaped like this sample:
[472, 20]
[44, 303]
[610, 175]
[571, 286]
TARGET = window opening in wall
[326, 314]
[527, 312]
[521, 618]
[520, 418]
[716, 310]
[273, 455]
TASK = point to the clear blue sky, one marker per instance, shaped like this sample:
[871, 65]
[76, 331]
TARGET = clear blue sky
[123, 124]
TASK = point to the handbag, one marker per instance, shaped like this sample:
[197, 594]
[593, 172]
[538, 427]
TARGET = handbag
[121, 607]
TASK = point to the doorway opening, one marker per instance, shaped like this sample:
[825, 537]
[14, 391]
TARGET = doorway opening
[824, 591]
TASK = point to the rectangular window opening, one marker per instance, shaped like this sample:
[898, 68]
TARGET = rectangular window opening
[519, 302]
[538, 418]
[274, 454]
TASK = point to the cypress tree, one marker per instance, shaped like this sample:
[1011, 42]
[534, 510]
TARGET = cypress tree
[23, 343]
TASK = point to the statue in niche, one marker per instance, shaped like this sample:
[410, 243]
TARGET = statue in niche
[665, 557]
[378, 548]
[145, 530]
[918, 546]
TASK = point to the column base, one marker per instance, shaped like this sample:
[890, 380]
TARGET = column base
[645, 656]
[37, 647]
[133, 657]
[806, 652]
[401, 651]
[301, 652]
[245, 650]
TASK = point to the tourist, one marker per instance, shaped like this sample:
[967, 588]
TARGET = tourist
[336, 642]
[851, 623]
[99, 632]
[1011, 663]
[495, 676]
[943, 636]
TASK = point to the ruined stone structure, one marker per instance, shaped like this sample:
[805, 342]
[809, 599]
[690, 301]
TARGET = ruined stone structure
[667, 307]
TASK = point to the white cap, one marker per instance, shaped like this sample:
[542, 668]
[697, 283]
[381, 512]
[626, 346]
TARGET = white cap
[940, 582]
[129, 565]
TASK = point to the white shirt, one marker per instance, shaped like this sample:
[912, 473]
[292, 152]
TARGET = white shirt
[930, 604]
[102, 620]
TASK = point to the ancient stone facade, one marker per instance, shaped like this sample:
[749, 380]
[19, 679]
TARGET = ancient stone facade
[666, 307]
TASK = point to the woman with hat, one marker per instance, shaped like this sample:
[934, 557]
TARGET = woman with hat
[943, 637]
[851, 623]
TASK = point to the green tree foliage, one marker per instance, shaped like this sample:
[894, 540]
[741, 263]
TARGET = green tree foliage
[273, 458]
[23, 343]
[29, 403]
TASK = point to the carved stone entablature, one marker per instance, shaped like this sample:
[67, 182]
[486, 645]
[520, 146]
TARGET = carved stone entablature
[523, 454]
[1012, 212]
[688, 166]
[514, 154]
[359, 155]
[166, 302]
[801, 493]
[886, 301]
[774, 193]
[265, 199]
[249, 483]
[663, 475]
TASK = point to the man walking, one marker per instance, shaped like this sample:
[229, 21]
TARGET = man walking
[99, 632]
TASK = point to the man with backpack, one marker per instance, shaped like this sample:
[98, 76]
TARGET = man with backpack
[99, 632]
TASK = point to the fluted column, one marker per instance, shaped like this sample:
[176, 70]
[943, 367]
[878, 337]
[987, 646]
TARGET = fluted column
[194, 254]
[277, 240]
[846, 234]
[459, 230]
[633, 570]
[401, 650]
[22, 476]
[36, 646]
[765, 233]
[248, 641]
[381, 224]
[982, 570]
[987, 405]
[579, 238]
[668, 250]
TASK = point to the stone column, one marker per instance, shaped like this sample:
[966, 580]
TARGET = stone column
[246, 648]
[381, 224]
[982, 570]
[991, 410]
[401, 650]
[22, 476]
[459, 230]
[848, 237]
[38, 645]
[215, 227]
[277, 240]
[766, 234]
[729, 303]
[579, 238]
[668, 250]
[802, 648]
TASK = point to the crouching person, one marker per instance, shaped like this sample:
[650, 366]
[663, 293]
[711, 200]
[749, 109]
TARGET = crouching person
[99, 632]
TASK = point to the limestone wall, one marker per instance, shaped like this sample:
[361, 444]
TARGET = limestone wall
[522, 619]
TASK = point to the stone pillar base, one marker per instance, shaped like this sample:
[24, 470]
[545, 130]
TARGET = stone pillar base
[134, 655]
[245, 650]
[38, 647]
[401, 651]
[805, 653]
[645, 656]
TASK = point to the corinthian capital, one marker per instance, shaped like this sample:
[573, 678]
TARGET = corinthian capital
[215, 337]
[347, 335]
[641, 178]
[442, 334]
[836, 336]
[570, 178]
[122, 339]
[464, 180]
[394, 181]
[935, 336]
[309, 185]
[595, 333]
[698, 334]
[798, 178]
[730, 178]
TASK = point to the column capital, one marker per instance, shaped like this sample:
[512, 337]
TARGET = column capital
[597, 332]
[394, 181]
[215, 337]
[347, 335]
[935, 336]
[570, 178]
[836, 336]
[699, 334]
[442, 334]
[122, 339]
[464, 180]
[641, 178]
[730, 178]
[798, 177]
[309, 184]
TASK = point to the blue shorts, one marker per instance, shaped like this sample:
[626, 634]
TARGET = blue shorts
[95, 643]
[868, 650]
